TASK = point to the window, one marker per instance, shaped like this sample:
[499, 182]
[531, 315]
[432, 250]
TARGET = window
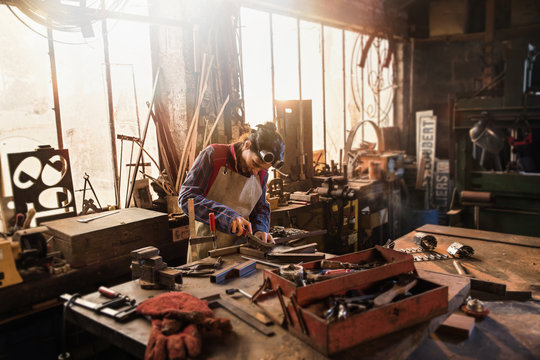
[27, 113]
[342, 92]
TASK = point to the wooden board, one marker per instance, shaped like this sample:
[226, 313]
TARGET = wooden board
[481, 235]
[497, 262]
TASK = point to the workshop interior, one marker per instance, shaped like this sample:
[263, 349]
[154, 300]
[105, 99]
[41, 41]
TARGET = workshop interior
[405, 214]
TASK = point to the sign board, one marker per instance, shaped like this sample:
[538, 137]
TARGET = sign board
[442, 189]
[426, 135]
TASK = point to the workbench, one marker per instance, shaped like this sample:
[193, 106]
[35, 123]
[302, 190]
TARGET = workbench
[245, 342]
[504, 259]
[512, 329]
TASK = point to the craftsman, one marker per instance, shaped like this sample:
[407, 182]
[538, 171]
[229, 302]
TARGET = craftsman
[230, 181]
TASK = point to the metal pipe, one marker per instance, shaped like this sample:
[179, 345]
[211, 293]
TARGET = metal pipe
[54, 82]
[300, 104]
[110, 108]
[271, 23]
[344, 89]
[324, 93]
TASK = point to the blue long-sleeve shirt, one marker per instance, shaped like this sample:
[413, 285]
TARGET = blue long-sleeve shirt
[197, 182]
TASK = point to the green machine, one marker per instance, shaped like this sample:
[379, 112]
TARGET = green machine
[497, 172]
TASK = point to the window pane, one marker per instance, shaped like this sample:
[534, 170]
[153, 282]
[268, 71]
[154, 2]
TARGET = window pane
[334, 92]
[285, 57]
[83, 104]
[256, 66]
[131, 75]
[353, 114]
[311, 57]
[26, 104]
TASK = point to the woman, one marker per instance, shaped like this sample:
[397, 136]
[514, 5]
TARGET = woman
[229, 180]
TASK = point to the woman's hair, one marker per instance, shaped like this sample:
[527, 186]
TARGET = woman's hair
[266, 138]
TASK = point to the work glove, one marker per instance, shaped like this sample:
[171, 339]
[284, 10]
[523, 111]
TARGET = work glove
[178, 320]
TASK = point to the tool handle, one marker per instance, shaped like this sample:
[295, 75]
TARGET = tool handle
[212, 221]
[387, 296]
[110, 293]
[329, 264]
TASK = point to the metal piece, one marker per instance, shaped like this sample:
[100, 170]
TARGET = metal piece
[288, 318]
[295, 258]
[459, 250]
[308, 248]
[98, 216]
[241, 314]
[426, 241]
[257, 243]
[262, 262]
[459, 268]
[117, 314]
[299, 315]
[235, 290]
[235, 270]
[475, 308]
[225, 250]
[245, 250]
[265, 284]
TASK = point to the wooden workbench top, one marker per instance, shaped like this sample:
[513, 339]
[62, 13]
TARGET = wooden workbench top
[508, 259]
[244, 341]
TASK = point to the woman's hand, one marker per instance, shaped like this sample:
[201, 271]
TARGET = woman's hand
[239, 224]
[266, 237]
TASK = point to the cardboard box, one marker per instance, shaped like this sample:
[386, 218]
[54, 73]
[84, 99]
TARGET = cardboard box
[108, 237]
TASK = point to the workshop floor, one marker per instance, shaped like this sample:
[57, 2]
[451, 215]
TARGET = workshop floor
[38, 336]
[511, 331]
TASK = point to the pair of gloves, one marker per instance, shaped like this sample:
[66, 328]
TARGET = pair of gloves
[179, 320]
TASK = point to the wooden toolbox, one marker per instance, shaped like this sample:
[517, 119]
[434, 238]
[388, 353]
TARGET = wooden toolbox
[108, 237]
[307, 319]
[392, 263]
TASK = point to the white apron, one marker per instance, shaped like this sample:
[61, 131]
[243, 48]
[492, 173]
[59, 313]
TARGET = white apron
[235, 191]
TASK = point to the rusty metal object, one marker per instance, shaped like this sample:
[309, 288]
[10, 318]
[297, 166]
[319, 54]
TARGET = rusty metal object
[295, 258]
[459, 250]
[426, 241]
[475, 308]
[299, 315]
[152, 272]
[232, 271]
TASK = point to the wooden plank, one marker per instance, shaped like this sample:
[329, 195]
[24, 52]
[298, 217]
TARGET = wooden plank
[459, 326]
[70, 227]
[512, 239]
[224, 251]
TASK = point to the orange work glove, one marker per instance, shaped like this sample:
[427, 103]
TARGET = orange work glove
[178, 319]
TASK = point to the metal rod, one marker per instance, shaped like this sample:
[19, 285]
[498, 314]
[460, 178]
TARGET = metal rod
[344, 89]
[241, 57]
[272, 68]
[110, 108]
[54, 82]
[324, 92]
[145, 130]
[300, 104]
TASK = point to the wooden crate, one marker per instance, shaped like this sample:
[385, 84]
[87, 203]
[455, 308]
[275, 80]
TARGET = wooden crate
[108, 237]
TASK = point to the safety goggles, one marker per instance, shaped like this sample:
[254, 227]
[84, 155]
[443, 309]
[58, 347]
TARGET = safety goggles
[269, 158]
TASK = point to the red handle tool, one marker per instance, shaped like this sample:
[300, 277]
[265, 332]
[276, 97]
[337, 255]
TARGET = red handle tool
[212, 221]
